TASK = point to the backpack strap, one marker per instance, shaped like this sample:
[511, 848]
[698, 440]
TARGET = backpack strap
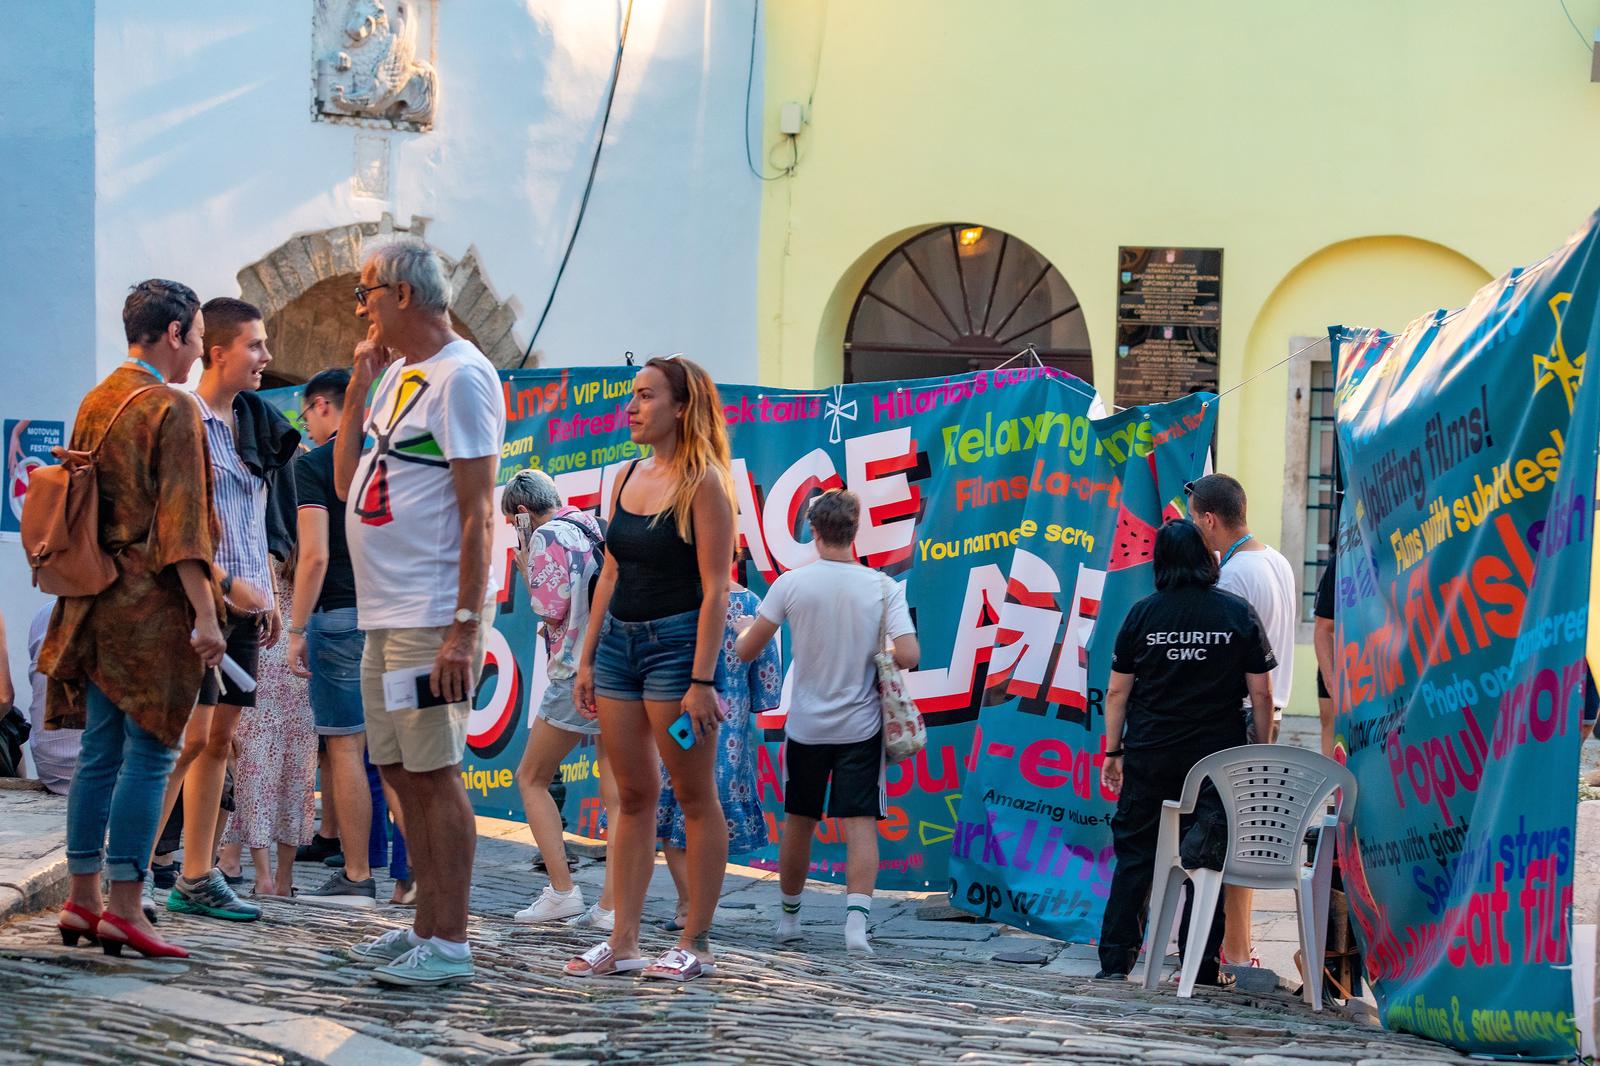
[594, 542]
[94, 454]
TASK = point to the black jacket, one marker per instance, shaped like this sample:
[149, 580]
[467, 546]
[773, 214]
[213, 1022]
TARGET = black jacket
[268, 443]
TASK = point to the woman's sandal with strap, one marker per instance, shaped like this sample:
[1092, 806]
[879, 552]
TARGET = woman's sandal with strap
[601, 961]
[77, 923]
[679, 964]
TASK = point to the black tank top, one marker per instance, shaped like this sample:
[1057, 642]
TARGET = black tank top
[658, 574]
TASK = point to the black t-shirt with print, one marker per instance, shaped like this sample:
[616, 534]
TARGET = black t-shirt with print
[313, 485]
[1189, 650]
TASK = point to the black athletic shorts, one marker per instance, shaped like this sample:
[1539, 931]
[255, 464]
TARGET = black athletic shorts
[244, 647]
[856, 773]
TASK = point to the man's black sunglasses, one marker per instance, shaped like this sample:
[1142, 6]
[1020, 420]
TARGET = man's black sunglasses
[363, 291]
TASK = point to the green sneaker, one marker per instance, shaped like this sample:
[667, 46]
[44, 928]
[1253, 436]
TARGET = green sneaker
[384, 949]
[210, 897]
[423, 965]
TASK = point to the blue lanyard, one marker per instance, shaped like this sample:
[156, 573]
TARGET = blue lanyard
[1229, 553]
[147, 368]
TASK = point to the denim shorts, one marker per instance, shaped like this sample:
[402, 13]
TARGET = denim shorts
[557, 708]
[334, 644]
[647, 660]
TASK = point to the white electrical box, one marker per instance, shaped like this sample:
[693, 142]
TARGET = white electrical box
[789, 119]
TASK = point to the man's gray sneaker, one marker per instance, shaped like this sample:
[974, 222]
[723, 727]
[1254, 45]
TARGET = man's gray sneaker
[383, 949]
[338, 890]
[424, 965]
[212, 897]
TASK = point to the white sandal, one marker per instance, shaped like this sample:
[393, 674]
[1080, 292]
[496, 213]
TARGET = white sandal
[677, 964]
[601, 961]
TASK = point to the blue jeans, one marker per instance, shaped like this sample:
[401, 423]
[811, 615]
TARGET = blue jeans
[648, 660]
[378, 851]
[120, 783]
[334, 645]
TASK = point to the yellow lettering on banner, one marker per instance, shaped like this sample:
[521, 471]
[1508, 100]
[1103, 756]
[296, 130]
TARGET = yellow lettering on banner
[481, 781]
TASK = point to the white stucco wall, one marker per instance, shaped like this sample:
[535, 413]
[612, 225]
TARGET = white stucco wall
[47, 305]
[209, 159]
[176, 140]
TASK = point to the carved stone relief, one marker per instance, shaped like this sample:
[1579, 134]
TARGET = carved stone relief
[374, 62]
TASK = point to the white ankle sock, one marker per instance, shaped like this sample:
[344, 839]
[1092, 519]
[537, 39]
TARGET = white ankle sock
[858, 907]
[412, 938]
[451, 949]
[789, 918]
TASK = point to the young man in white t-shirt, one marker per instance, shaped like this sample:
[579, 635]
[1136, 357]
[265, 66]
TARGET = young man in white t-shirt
[415, 460]
[1263, 577]
[836, 609]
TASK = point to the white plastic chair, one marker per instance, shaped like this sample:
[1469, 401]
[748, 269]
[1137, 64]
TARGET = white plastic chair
[1273, 794]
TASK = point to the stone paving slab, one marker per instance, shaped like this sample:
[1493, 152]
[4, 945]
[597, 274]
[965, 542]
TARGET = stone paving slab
[282, 990]
[33, 847]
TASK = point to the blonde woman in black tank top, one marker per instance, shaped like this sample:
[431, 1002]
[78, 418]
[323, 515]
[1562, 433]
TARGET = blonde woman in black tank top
[661, 604]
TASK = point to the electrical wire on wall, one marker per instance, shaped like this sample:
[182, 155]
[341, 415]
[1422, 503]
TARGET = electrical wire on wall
[785, 171]
[1587, 46]
[588, 187]
[749, 86]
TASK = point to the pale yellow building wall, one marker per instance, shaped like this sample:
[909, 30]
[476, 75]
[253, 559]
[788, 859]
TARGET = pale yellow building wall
[1378, 280]
[1451, 139]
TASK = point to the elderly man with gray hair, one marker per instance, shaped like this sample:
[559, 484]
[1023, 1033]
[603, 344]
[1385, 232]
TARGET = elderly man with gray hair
[559, 552]
[417, 468]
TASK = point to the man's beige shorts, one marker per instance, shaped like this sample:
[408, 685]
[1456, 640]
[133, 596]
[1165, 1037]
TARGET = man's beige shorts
[422, 739]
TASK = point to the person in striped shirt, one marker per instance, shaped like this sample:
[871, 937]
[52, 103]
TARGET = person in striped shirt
[234, 358]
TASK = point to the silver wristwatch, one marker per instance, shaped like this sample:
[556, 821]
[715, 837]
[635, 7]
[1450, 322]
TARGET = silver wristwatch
[463, 616]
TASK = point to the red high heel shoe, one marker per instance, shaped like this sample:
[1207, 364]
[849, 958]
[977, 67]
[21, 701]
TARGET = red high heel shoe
[71, 931]
[114, 933]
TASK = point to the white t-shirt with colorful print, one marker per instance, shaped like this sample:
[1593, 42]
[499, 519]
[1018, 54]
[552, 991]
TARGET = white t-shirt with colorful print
[401, 520]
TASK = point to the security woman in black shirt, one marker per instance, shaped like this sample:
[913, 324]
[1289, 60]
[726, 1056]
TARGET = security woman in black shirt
[1184, 660]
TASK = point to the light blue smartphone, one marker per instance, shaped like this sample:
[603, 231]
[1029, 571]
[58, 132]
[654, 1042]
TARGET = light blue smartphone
[682, 730]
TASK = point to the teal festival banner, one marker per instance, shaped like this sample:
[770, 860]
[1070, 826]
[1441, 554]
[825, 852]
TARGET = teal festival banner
[973, 488]
[1032, 845]
[1468, 445]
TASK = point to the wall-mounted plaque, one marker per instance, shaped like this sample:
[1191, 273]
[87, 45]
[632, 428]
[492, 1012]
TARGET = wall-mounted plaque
[1169, 314]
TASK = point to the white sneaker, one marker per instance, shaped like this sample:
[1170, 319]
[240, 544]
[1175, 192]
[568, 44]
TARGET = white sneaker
[552, 906]
[602, 921]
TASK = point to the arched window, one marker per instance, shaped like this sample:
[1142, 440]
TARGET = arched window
[959, 298]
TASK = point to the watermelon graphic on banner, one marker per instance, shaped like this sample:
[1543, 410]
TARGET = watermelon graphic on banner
[1134, 542]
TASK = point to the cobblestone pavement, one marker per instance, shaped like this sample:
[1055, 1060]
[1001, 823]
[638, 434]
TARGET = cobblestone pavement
[282, 990]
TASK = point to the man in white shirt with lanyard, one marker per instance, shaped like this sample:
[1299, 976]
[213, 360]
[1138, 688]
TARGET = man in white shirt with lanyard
[1263, 577]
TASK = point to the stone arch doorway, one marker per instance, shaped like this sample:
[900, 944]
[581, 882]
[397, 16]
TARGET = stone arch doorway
[304, 289]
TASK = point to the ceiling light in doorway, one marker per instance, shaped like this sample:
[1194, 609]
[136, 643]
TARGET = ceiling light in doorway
[970, 236]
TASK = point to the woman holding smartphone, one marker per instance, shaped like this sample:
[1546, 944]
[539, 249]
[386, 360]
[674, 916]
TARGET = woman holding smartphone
[650, 668]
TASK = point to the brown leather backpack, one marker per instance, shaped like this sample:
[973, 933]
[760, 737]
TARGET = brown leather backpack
[61, 520]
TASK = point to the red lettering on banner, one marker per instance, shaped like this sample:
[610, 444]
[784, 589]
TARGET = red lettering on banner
[900, 778]
[890, 505]
[812, 471]
[747, 520]
[1546, 909]
[952, 687]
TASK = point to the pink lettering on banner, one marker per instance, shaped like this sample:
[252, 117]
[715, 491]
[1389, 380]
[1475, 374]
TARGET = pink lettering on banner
[1434, 769]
